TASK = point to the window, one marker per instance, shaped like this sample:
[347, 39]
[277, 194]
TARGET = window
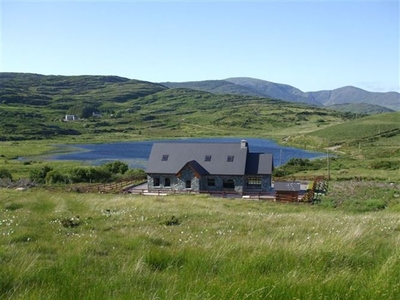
[207, 158]
[167, 182]
[254, 181]
[228, 184]
[156, 181]
[230, 158]
[211, 182]
[188, 184]
[165, 157]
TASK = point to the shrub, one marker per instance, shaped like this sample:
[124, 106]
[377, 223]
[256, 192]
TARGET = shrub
[137, 174]
[79, 174]
[116, 167]
[5, 174]
[90, 174]
[39, 175]
[99, 175]
[55, 176]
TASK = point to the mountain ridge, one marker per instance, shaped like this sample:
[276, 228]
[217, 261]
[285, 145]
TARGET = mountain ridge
[263, 88]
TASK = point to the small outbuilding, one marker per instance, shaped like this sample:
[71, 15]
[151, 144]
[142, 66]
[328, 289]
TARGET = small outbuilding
[71, 118]
[287, 191]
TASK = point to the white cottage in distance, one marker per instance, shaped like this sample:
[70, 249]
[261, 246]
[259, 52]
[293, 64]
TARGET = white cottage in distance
[68, 118]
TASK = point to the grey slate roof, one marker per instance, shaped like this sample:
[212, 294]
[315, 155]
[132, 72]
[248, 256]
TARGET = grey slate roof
[285, 186]
[259, 163]
[179, 154]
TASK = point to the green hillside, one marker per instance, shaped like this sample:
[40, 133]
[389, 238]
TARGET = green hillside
[360, 108]
[364, 130]
[33, 107]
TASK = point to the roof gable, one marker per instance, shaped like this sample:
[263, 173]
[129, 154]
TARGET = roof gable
[197, 169]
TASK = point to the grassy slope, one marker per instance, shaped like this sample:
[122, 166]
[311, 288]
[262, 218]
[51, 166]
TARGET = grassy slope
[128, 108]
[368, 147]
[360, 108]
[135, 110]
[222, 249]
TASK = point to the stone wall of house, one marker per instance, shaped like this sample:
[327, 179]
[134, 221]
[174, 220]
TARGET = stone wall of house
[201, 184]
[219, 183]
[187, 174]
[176, 183]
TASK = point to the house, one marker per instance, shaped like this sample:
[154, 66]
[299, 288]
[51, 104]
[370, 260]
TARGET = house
[71, 118]
[208, 167]
[287, 191]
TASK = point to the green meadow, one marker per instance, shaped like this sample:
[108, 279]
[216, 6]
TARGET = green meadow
[60, 245]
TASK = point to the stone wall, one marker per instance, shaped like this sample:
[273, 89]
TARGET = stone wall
[201, 184]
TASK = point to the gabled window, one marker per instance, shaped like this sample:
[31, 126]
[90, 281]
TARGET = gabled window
[230, 158]
[207, 158]
[165, 157]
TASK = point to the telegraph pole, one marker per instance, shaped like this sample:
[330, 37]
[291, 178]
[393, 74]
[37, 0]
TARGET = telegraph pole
[327, 164]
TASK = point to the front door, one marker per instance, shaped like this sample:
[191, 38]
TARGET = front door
[188, 184]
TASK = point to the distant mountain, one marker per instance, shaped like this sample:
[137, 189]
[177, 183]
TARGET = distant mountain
[274, 90]
[262, 88]
[351, 94]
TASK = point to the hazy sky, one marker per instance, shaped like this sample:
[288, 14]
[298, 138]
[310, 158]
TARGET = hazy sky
[312, 45]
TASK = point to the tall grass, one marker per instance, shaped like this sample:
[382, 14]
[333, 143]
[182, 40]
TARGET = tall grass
[93, 246]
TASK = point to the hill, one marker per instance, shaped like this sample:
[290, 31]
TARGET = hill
[350, 94]
[360, 108]
[365, 130]
[33, 106]
[216, 87]
[60, 91]
[257, 87]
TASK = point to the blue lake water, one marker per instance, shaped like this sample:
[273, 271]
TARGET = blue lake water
[136, 154]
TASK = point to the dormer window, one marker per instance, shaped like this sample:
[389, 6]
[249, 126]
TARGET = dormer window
[207, 158]
[165, 157]
[230, 158]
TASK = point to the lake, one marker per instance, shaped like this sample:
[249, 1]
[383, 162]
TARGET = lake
[135, 154]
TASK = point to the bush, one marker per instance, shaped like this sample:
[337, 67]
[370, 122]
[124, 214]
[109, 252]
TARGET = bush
[5, 174]
[90, 175]
[55, 176]
[79, 174]
[39, 175]
[99, 175]
[116, 167]
[136, 174]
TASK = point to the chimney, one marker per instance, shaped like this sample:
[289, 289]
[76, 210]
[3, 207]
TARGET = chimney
[243, 144]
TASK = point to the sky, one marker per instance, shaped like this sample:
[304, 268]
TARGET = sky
[312, 45]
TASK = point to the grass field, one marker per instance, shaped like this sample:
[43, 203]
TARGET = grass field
[58, 245]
